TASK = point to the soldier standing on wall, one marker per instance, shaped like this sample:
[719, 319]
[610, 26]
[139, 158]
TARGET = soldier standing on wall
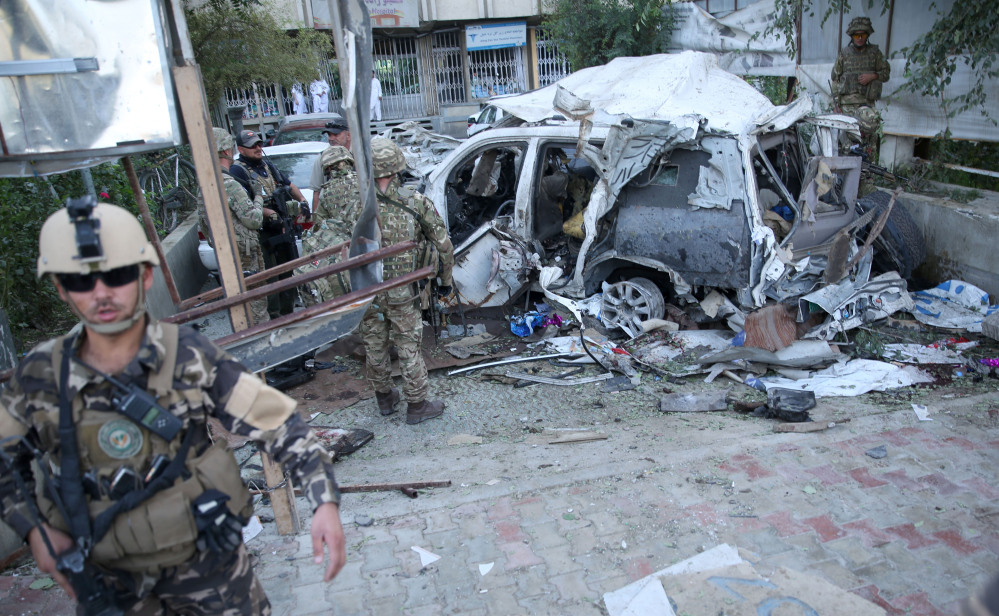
[858, 75]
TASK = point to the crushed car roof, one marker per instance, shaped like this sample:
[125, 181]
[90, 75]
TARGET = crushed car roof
[659, 87]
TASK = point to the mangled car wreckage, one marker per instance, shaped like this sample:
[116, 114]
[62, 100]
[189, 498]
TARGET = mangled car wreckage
[657, 180]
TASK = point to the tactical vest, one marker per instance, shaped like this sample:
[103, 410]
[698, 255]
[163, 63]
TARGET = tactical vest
[160, 532]
[269, 183]
[855, 62]
[400, 222]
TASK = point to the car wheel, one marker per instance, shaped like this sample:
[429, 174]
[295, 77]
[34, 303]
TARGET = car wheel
[900, 246]
[628, 303]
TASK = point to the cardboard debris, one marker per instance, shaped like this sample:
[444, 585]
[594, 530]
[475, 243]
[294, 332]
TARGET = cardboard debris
[771, 328]
[646, 597]
[799, 354]
[923, 354]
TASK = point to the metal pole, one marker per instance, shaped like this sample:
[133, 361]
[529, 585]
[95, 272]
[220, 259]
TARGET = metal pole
[147, 222]
[294, 281]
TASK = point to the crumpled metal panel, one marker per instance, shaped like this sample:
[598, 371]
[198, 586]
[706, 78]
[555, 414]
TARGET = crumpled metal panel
[270, 348]
[705, 246]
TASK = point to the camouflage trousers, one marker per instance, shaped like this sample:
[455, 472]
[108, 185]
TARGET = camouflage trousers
[253, 261]
[393, 317]
[869, 121]
[209, 584]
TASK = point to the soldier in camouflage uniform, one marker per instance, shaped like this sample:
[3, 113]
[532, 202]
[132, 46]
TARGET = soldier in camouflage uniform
[338, 134]
[334, 217]
[165, 541]
[858, 75]
[247, 217]
[394, 316]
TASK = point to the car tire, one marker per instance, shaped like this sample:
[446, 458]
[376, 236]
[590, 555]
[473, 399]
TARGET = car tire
[900, 246]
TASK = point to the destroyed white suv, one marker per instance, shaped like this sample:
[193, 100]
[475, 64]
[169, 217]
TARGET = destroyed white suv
[655, 179]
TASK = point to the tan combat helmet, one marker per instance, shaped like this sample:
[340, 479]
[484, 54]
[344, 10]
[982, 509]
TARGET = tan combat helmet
[860, 24]
[386, 157]
[223, 140]
[333, 155]
[87, 237]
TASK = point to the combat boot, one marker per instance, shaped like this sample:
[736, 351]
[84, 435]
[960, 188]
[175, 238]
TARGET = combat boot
[424, 410]
[387, 401]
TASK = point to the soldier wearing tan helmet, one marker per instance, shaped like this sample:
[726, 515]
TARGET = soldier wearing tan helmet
[858, 75]
[333, 221]
[394, 316]
[117, 409]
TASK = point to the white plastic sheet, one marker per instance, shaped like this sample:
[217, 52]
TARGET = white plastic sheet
[853, 378]
[955, 304]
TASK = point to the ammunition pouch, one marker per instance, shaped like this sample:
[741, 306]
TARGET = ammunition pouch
[161, 532]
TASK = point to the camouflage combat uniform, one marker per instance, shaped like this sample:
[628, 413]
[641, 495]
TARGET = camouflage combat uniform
[332, 223]
[172, 575]
[394, 316]
[858, 100]
[247, 217]
[269, 177]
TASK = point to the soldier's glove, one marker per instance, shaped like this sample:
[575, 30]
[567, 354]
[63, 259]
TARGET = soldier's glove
[219, 530]
[303, 209]
[257, 188]
[443, 290]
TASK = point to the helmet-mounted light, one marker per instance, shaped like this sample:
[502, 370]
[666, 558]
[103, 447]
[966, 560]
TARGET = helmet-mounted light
[88, 239]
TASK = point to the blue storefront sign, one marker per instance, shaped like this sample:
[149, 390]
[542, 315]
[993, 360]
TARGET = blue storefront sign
[496, 36]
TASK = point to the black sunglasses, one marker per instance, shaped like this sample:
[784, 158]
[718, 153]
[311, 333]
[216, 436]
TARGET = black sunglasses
[81, 283]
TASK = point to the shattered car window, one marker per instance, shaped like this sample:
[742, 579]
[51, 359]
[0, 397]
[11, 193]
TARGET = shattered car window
[483, 187]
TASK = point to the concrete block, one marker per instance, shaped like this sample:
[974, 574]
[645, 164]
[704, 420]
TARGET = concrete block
[181, 251]
[960, 238]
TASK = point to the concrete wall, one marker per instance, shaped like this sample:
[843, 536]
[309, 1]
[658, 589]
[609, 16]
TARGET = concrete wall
[181, 250]
[960, 238]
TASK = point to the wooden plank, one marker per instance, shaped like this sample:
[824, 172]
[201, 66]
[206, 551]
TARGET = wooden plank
[282, 498]
[804, 426]
[191, 96]
[579, 437]
[190, 93]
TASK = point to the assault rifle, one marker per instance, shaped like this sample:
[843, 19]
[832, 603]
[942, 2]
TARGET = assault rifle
[95, 596]
[857, 150]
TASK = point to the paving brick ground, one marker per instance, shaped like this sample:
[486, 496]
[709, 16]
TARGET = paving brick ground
[533, 528]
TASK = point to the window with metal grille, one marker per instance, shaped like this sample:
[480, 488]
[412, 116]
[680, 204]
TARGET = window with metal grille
[448, 73]
[497, 71]
[552, 64]
[398, 66]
